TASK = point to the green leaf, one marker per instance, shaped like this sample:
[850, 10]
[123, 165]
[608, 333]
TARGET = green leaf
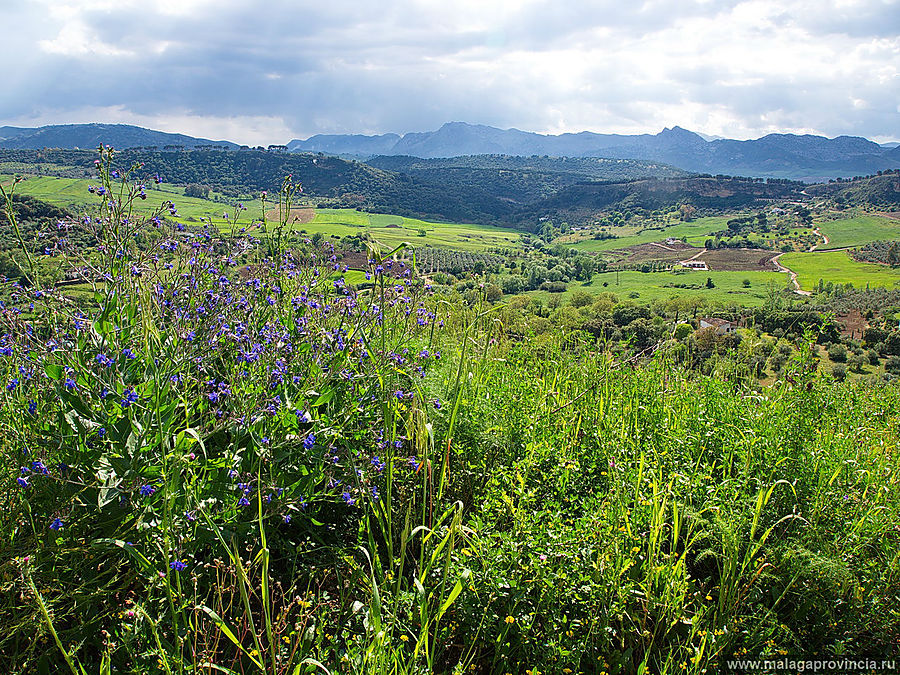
[54, 371]
[323, 398]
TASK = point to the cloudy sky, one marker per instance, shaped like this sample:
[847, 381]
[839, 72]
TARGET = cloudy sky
[262, 73]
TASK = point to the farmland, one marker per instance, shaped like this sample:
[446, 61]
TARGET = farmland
[386, 229]
[642, 287]
[859, 229]
[838, 267]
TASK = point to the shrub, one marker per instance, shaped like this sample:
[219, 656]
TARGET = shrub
[838, 353]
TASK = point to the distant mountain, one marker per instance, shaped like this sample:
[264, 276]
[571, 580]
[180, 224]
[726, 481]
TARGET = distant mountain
[352, 144]
[804, 157]
[91, 136]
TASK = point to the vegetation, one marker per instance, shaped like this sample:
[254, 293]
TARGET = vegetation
[227, 458]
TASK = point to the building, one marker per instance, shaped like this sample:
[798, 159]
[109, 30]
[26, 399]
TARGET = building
[721, 325]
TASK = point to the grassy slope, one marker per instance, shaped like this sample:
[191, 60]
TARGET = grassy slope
[650, 286]
[449, 235]
[839, 267]
[72, 192]
[859, 230]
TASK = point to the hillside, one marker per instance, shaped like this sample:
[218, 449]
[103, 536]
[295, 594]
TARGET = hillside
[338, 182]
[520, 180]
[702, 192]
[880, 191]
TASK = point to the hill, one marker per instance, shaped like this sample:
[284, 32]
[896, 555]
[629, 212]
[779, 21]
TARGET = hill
[880, 191]
[91, 136]
[337, 182]
[521, 180]
[717, 193]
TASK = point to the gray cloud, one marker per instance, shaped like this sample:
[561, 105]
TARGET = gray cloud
[740, 68]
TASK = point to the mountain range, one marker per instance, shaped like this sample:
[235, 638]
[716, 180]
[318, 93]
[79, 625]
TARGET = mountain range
[801, 157]
[807, 157]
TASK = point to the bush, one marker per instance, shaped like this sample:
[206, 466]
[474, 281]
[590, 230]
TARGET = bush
[553, 286]
[838, 353]
[581, 298]
[892, 365]
[839, 371]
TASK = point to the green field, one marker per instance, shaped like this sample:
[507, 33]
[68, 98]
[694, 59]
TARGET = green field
[73, 193]
[839, 267]
[696, 232]
[394, 230]
[386, 229]
[859, 230]
[729, 286]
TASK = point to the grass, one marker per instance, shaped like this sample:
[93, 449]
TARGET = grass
[696, 232]
[650, 286]
[859, 230]
[73, 192]
[210, 473]
[838, 267]
[393, 230]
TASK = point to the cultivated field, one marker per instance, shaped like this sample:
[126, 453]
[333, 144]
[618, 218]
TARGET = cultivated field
[643, 287]
[858, 230]
[838, 267]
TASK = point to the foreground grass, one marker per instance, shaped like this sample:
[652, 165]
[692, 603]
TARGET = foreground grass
[274, 474]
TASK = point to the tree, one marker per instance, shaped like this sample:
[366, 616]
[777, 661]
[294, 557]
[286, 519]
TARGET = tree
[687, 212]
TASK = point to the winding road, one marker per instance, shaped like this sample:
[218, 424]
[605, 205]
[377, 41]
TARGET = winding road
[792, 273]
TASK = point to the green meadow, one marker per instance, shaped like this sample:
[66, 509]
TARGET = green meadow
[73, 193]
[388, 230]
[649, 286]
[859, 230]
[838, 267]
[394, 230]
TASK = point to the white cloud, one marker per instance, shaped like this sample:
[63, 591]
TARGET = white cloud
[228, 69]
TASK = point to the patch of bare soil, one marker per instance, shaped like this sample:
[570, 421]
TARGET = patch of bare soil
[298, 214]
[852, 324]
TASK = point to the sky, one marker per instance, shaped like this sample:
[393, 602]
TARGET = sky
[261, 73]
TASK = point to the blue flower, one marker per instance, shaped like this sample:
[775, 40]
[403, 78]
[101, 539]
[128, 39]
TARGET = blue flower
[69, 383]
[243, 501]
[22, 481]
[348, 498]
[309, 441]
[177, 565]
[57, 524]
[147, 490]
[130, 397]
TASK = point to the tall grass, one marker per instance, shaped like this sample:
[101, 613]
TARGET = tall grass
[231, 461]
